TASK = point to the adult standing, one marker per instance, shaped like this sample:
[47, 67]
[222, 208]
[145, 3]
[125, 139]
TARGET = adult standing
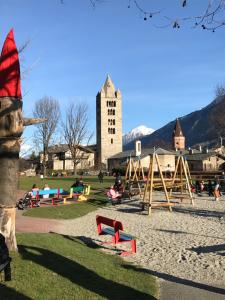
[217, 193]
[100, 176]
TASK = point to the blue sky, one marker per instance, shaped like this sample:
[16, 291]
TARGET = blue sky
[162, 73]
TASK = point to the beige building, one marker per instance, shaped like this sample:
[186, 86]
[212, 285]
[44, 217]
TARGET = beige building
[210, 161]
[59, 158]
[166, 159]
[108, 122]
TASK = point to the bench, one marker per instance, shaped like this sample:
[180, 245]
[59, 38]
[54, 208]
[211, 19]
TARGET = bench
[115, 229]
[55, 192]
[78, 193]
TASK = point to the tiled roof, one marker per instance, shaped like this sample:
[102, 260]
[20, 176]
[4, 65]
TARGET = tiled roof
[144, 152]
[200, 156]
[64, 148]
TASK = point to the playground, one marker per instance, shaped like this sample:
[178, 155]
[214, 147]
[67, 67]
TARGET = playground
[187, 243]
[182, 246]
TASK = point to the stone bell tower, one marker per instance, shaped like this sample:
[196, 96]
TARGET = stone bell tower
[178, 137]
[108, 122]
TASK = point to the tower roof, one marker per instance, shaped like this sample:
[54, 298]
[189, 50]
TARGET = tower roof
[177, 129]
[108, 85]
[10, 68]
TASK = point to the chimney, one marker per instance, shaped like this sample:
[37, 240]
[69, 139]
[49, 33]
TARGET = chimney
[200, 148]
[137, 148]
[191, 151]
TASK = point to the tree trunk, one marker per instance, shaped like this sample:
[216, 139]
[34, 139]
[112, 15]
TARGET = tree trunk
[74, 169]
[11, 126]
[9, 154]
[7, 226]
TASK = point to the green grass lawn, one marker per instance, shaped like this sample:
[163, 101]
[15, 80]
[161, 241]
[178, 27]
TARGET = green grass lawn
[51, 266]
[70, 211]
[26, 183]
[96, 199]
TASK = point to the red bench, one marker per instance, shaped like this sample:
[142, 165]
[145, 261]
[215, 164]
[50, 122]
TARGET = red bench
[115, 229]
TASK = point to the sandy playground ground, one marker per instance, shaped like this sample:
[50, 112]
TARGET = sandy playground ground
[187, 243]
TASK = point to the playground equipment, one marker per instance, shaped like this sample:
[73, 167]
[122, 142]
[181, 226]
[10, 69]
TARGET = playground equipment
[154, 182]
[115, 229]
[134, 177]
[179, 185]
[181, 181]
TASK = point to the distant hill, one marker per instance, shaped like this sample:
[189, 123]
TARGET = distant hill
[136, 133]
[204, 126]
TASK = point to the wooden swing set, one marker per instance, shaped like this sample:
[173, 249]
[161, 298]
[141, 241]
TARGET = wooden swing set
[177, 187]
[134, 177]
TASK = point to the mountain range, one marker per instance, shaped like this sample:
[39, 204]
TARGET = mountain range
[136, 133]
[205, 126]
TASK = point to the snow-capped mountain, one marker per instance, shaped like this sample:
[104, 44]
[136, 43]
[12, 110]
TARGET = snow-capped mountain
[135, 133]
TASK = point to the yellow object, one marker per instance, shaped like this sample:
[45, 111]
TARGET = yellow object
[87, 189]
[82, 198]
[86, 192]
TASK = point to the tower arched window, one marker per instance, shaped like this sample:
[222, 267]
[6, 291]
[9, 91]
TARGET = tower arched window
[114, 103]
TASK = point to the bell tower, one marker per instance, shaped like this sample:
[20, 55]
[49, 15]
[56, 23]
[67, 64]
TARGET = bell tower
[178, 137]
[108, 122]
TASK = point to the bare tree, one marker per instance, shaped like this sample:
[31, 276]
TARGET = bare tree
[220, 90]
[75, 131]
[210, 18]
[46, 108]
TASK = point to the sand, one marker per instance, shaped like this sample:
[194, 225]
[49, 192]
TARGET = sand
[187, 243]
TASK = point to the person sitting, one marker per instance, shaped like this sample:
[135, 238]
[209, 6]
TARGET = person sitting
[46, 187]
[34, 189]
[77, 186]
[118, 183]
[77, 183]
[31, 193]
[114, 194]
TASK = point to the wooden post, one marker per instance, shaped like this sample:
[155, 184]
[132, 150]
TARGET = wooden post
[163, 182]
[151, 183]
[187, 181]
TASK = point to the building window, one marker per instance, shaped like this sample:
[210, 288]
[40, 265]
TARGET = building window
[111, 141]
[113, 130]
[114, 103]
[113, 112]
[114, 122]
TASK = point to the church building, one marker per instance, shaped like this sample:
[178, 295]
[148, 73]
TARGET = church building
[108, 122]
